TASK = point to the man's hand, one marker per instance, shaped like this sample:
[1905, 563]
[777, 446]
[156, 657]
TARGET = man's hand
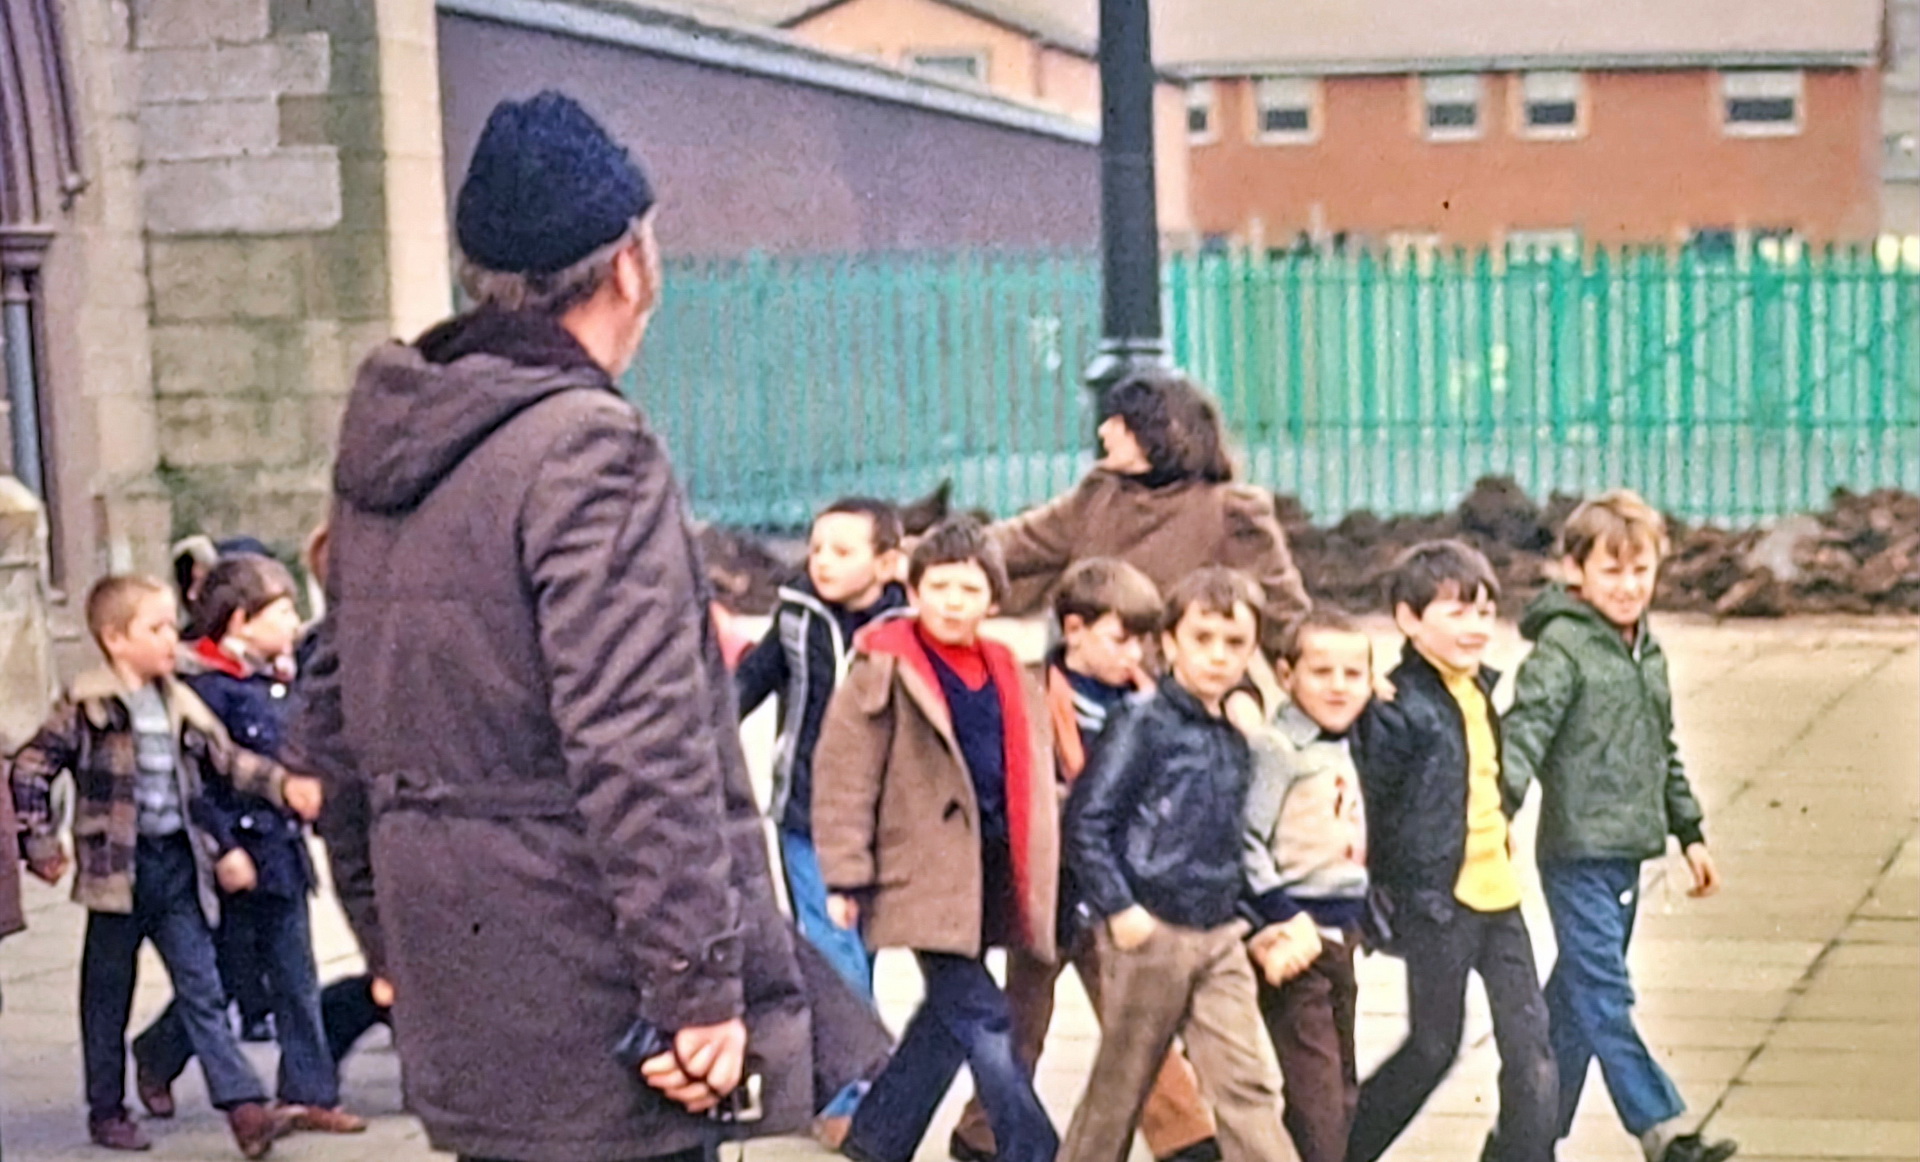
[50, 869]
[302, 794]
[381, 990]
[1706, 877]
[235, 873]
[1131, 928]
[706, 1064]
[843, 910]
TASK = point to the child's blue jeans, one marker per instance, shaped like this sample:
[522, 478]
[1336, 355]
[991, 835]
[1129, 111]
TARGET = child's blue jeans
[1589, 995]
[807, 892]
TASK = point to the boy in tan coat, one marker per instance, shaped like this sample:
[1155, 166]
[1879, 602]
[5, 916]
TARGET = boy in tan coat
[936, 824]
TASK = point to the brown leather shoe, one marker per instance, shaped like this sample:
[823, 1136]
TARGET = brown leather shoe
[321, 1120]
[118, 1133]
[255, 1128]
[155, 1095]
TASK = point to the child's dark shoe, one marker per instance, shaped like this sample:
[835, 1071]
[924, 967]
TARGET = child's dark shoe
[961, 1150]
[155, 1095]
[1205, 1150]
[255, 1128]
[118, 1133]
[258, 1031]
[1694, 1148]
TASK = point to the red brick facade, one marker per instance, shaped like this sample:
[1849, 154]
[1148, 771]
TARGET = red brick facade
[1650, 162]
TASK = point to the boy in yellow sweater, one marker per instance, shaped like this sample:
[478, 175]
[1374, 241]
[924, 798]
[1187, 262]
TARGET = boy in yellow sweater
[1440, 863]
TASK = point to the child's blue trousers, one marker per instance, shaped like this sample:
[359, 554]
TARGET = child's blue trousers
[1589, 995]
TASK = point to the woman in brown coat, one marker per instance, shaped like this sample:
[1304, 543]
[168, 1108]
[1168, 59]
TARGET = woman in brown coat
[1163, 500]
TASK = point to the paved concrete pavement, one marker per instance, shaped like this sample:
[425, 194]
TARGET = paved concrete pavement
[1788, 1008]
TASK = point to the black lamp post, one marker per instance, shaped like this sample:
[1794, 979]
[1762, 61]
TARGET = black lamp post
[1129, 222]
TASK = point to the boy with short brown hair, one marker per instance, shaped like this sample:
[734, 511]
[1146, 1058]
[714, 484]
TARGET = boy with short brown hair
[1306, 865]
[936, 824]
[1153, 839]
[1439, 858]
[1592, 720]
[1106, 611]
[141, 748]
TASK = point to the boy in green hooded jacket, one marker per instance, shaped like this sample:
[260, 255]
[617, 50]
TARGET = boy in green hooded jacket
[1592, 720]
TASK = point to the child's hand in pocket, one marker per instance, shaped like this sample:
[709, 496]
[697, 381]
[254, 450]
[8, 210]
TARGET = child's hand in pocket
[235, 872]
[1131, 928]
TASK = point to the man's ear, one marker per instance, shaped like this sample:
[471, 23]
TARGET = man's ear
[636, 269]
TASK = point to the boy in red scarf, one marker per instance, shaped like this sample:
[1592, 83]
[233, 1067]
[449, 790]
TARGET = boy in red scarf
[936, 823]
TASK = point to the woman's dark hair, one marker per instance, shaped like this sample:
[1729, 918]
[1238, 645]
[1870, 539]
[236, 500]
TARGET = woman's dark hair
[1177, 424]
[244, 583]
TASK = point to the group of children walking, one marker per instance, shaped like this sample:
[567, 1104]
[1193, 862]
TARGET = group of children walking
[187, 834]
[1212, 866]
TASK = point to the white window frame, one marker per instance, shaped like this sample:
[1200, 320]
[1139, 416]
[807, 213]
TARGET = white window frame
[1203, 97]
[1556, 88]
[1535, 245]
[917, 62]
[1761, 85]
[1299, 93]
[1451, 89]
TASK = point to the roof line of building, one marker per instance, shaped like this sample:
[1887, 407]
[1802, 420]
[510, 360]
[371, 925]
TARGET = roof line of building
[1623, 62]
[766, 54]
[983, 10]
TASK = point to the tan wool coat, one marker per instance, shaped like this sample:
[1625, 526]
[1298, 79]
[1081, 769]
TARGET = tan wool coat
[1165, 532]
[895, 818]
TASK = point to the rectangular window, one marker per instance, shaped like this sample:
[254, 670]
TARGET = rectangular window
[965, 66]
[1200, 111]
[1288, 109]
[1451, 106]
[1542, 245]
[1761, 103]
[1550, 105]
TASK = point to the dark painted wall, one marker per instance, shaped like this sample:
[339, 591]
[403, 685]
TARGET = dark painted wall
[745, 162]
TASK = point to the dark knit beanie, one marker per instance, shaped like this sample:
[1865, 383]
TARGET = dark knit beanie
[546, 188]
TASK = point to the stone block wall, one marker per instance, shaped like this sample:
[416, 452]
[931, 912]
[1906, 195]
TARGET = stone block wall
[273, 134]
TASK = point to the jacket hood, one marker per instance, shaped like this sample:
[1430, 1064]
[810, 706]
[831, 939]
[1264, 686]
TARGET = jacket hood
[1556, 602]
[417, 411]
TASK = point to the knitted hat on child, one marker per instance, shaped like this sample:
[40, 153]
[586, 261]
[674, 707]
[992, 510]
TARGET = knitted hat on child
[546, 188]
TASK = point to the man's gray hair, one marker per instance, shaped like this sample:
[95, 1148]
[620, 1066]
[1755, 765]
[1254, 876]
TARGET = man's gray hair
[546, 294]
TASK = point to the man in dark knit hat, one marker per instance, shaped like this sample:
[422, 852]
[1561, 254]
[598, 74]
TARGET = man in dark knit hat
[572, 884]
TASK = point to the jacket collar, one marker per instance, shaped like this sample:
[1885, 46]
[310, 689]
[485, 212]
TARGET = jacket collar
[1182, 700]
[1415, 663]
[96, 690]
[1557, 602]
[521, 337]
[1297, 728]
[209, 657]
[893, 598]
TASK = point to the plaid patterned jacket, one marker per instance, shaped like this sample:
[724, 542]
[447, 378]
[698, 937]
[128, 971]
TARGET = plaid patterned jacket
[90, 735]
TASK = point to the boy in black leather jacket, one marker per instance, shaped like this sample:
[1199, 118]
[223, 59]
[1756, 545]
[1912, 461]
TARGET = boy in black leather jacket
[1440, 857]
[1153, 837]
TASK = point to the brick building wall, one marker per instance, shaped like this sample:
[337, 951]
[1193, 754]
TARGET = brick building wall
[1650, 164]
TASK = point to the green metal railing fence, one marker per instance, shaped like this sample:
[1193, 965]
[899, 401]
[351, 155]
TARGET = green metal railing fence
[1724, 389]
